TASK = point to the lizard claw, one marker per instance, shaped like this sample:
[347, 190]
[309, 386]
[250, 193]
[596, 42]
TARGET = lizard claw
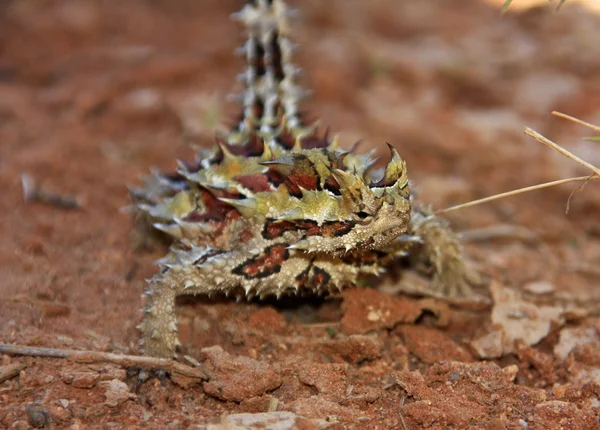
[141, 375]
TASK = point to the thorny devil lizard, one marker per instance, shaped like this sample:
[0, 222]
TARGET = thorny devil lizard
[276, 209]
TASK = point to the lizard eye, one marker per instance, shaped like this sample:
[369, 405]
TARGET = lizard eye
[362, 215]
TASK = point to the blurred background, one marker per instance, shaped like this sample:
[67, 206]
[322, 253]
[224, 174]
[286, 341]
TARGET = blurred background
[94, 92]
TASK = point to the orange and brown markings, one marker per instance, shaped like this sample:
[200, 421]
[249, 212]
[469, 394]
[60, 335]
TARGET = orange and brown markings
[257, 182]
[363, 258]
[335, 229]
[252, 147]
[215, 209]
[246, 235]
[298, 173]
[287, 140]
[312, 278]
[320, 278]
[274, 229]
[265, 264]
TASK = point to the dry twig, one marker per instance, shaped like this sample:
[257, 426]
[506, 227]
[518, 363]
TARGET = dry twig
[106, 357]
[561, 150]
[515, 192]
[576, 120]
[32, 193]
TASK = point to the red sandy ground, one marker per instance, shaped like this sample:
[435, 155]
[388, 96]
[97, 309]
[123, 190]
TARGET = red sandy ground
[93, 93]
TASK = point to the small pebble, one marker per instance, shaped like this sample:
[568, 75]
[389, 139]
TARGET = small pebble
[38, 416]
[539, 287]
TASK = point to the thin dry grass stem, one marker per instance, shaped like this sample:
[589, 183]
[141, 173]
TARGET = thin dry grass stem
[576, 120]
[561, 150]
[545, 141]
[106, 357]
[579, 188]
[515, 192]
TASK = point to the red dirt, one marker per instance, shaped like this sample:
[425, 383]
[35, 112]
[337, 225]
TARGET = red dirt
[94, 93]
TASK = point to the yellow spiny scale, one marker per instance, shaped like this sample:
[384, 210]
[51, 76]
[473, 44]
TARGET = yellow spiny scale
[276, 208]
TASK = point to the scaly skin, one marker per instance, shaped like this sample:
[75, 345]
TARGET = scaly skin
[274, 209]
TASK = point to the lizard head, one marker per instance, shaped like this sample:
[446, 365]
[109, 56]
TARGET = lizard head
[360, 215]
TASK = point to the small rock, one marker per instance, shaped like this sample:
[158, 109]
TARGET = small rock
[539, 287]
[82, 379]
[541, 361]
[110, 372]
[573, 337]
[117, 392]
[489, 345]
[236, 378]
[38, 415]
[64, 403]
[266, 421]
[521, 320]
[59, 415]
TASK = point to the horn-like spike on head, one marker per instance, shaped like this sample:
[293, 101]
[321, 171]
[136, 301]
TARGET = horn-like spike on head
[352, 186]
[339, 161]
[345, 179]
[394, 153]
[394, 170]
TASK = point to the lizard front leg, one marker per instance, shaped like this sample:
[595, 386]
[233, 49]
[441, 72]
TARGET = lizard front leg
[193, 272]
[439, 252]
[159, 324]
